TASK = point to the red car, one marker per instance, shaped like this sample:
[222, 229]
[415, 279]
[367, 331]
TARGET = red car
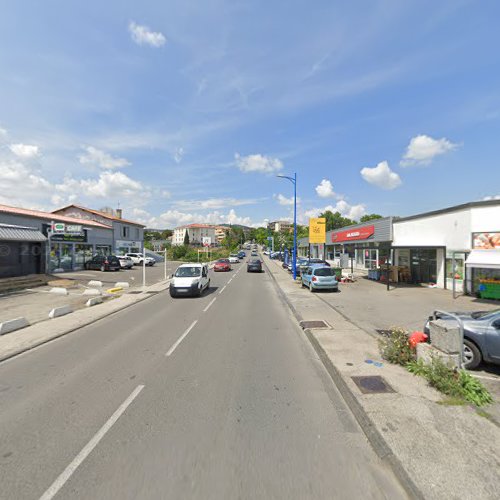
[222, 265]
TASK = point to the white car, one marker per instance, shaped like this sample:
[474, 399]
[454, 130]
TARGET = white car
[190, 279]
[233, 259]
[125, 261]
[138, 259]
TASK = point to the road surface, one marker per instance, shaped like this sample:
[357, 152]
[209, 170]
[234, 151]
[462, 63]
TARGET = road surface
[214, 397]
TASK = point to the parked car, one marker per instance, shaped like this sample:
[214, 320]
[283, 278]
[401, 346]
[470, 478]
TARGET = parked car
[254, 266]
[190, 279]
[222, 265]
[233, 258]
[320, 278]
[481, 336]
[104, 263]
[126, 262]
[138, 258]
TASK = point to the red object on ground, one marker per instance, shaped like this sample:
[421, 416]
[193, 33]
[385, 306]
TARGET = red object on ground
[417, 338]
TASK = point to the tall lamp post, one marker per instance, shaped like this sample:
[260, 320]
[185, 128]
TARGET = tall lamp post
[293, 180]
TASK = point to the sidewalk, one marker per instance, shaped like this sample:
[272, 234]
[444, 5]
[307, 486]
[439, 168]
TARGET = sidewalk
[32, 336]
[437, 451]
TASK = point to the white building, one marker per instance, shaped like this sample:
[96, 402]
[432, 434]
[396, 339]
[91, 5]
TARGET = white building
[460, 243]
[196, 234]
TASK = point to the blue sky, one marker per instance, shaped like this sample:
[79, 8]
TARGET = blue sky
[185, 111]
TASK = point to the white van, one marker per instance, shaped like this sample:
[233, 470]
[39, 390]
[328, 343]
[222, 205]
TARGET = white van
[190, 279]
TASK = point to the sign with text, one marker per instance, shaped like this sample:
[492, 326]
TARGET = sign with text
[206, 241]
[361, 233]
[317, 230]
[62, 228]
[486, 241]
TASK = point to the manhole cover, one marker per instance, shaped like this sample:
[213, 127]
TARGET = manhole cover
[372, 384]
[314, 324]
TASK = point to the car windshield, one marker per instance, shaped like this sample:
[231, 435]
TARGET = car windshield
[223, 261]
[188, 272]
[324, 271]
[255, 261]
[485, 314]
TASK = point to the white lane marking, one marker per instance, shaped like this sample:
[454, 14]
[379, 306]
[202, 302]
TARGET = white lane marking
[87, 450]
[208, 307]
[180, 339]
[223, 288]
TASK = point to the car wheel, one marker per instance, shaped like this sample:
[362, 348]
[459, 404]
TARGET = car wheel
[172, 293]
[311, 287]
[103, 268]
[472, 355]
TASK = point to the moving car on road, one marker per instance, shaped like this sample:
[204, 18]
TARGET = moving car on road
[190, 279]
[222, 265]
[320, 278]
[138, 259]
[241, 254]
[254, 266]
[481, 336]
[233, 258]
[126, 262]
[103, 263]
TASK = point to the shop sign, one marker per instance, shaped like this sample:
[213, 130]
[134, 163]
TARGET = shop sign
[206, 241]
[486, 241]
[361, 233]
[75, 237]
[317, 230]
[62, 228]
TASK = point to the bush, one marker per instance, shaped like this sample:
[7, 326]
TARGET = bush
[454, 383]
[395, 347]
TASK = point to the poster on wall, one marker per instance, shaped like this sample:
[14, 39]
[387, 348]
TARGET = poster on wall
[486, 241]
[317, 230]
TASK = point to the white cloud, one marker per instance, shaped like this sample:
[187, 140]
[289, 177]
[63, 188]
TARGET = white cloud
[283, 200]
[174, 218]
[381, 176]
[3, 132]
[104, 160]
[165, 194]
[325, 189]
[354, 212]
[178, 155]
[25, 151]
[142, 35]
[493, 197]
[423, 149]
[258, 163]
[214, 203]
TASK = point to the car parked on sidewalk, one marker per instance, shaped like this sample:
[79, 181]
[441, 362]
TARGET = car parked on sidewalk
[254, 266]
[222, 265]
[103, 263]
[320, 278]
[190, 279]
[126, 262]
[138, 258]
[305, 263]
[481, 335]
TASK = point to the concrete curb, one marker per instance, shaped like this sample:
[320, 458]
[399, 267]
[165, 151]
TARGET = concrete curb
[78, 327]
[12, 325]
[60, 311]
[377, 441]
[94, 301]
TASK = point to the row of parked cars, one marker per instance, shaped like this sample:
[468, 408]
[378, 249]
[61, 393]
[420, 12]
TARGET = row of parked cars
[117, 262]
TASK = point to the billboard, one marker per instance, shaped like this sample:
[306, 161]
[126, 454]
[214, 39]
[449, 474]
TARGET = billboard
[486, 241]
[361, 233]
[317, 230]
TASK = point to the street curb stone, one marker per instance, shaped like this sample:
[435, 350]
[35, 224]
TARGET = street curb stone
[12, 325]
[377, 441]
[60, 311]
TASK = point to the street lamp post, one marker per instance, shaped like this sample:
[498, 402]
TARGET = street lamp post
[293, 180]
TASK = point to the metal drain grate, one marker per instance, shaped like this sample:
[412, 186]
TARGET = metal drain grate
[373, 384]
[314, 324]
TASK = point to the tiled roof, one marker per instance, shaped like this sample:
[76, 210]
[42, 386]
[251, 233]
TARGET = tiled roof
[48, 216]
[194, 226]
[102, 214]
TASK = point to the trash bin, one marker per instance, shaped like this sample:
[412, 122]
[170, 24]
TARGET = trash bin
[338, 272]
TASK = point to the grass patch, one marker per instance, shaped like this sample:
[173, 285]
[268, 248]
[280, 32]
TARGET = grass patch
[452, 402]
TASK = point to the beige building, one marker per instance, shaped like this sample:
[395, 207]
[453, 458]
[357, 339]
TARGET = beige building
[196, 234]
[280, 225]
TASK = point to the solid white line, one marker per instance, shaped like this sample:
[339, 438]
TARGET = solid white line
[71, 468]
[223, 288]
[208, 307]
[180, 339]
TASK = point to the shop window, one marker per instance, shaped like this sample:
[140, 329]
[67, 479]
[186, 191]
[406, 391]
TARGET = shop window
[370, 258]
[103, 249]
[83, 253]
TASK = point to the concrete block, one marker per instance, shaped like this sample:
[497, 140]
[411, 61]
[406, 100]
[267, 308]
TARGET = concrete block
[95, 283]
[445, 336]
[122, 284]
[59, 290]
[91, 291]
[12, 325]
[60, 311]
[426, 352]
[93, 301]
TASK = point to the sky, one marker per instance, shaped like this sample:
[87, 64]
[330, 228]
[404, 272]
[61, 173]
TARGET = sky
[181, 112]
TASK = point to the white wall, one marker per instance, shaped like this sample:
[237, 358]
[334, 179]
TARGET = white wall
[485, 219]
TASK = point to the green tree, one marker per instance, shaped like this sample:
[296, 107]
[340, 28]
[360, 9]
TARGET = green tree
[368, 217]
[335, 220]
[186, 238]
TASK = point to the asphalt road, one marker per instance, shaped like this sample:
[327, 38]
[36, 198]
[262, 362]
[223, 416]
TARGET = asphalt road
[213, 397]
